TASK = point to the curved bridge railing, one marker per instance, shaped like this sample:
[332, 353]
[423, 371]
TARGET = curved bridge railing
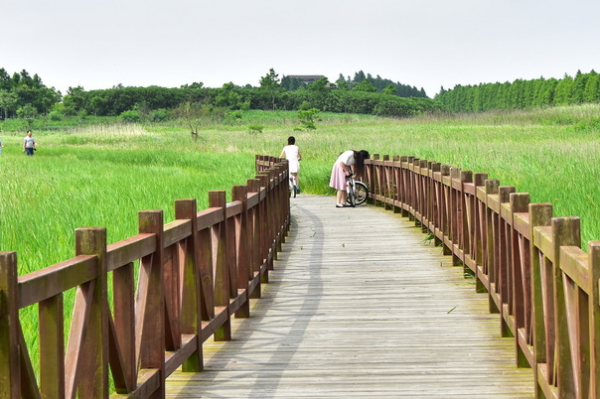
[540, 281]
[192, 275]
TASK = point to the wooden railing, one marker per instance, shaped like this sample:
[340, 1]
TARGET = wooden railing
[193, 274]
[543, 285]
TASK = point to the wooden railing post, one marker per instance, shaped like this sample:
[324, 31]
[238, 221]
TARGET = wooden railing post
[94, 351]
[150, 319]
[244, 272]
[267, 221]
[10, 370]
[521, 277]
[466, 219]
[191, 319]
[503, 258]
[565, 231]
[217, 199]
[446, 212]
[478, 233]
[395, 183]
[254, 253]
[403, 184]
[492, 187]
[540, 215]
[594, 314]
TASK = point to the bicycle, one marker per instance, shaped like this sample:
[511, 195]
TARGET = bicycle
[293, 186]
[357, 191]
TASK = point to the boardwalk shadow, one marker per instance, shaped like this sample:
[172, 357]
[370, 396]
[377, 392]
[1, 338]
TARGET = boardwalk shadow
[257, 376]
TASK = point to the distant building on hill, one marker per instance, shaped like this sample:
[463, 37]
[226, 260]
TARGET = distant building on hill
[306, 79]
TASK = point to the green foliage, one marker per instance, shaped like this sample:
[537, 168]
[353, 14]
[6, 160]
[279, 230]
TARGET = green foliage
[228, 97]
[130, 116]
[309, 118]
[270, 84]
[255, 129]
[390, 89]
[237, 115]
[55, 116]
[365, 86]
[158, 115]
[27, 111]
[523, 94]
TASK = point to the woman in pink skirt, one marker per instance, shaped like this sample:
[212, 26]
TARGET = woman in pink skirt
[342, 168]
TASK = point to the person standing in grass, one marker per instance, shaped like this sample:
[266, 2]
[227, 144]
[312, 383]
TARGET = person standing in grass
[29, 143]
[291, 152]
[348, 162]
[1, 146]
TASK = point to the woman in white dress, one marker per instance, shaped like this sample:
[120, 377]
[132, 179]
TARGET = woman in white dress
[291, 152]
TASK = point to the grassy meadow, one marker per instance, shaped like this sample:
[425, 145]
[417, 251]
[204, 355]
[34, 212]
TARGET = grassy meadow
[101, 173]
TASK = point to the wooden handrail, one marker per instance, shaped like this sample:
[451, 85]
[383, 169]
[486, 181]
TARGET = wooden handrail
[193, 275]
[543, 285]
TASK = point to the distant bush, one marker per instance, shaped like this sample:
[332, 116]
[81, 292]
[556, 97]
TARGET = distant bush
[255, 129]
[158, 115]
[55, 116]
[130, 116]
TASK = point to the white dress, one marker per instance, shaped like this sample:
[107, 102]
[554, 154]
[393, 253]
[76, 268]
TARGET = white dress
[291, 154]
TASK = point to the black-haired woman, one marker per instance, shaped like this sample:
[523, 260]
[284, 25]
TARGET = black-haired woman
[291, 152]
[342, 168]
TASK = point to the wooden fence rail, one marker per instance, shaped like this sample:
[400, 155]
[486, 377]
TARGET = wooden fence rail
[543, 285]
[174, 286]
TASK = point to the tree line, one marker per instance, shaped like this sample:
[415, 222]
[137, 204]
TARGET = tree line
[158, 103]
[25, 96]
[523, 94]
[361, 82]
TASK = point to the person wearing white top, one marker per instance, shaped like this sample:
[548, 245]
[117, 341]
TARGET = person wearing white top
[342, 168]
[291, 152]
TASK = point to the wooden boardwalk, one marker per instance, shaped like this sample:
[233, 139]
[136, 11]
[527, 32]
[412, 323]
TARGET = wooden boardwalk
[360, 306]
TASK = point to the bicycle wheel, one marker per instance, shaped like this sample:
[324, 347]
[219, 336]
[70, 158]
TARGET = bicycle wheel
[292, 188]
[351, 194]
[361, 193]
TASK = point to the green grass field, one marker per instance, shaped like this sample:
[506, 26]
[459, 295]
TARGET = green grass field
[101, 173]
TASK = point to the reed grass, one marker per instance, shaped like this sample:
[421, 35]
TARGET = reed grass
[103, 174]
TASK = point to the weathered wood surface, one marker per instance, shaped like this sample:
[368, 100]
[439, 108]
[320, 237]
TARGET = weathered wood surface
[359, 305]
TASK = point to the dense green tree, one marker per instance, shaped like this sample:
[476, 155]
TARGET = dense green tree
[390, 89]
[342, 84]
[359, 77]
[366, 86]
[228, 97]
[591, 92]
[75, 100]
[270, 83]
[8, 104]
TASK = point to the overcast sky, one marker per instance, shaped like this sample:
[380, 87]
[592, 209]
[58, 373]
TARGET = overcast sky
[422, 43]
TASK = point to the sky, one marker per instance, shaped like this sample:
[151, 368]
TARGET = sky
[423, 43]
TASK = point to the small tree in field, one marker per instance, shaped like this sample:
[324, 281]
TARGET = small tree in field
[270, 83]
[308, 118]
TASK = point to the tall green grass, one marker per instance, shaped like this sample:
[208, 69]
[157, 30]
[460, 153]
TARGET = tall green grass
[102, 174]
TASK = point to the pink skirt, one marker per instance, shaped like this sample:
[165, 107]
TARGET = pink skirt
[338, 177]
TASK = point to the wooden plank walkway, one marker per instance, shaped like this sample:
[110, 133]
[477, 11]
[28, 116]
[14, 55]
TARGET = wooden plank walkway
[360, 306]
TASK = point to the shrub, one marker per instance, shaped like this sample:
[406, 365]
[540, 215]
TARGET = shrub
[255, 129]
[130, 116]
[55, 116]
[237, 115]
[158, 115]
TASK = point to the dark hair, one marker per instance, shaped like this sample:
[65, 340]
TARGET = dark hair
[291, 140]
[360, 157]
